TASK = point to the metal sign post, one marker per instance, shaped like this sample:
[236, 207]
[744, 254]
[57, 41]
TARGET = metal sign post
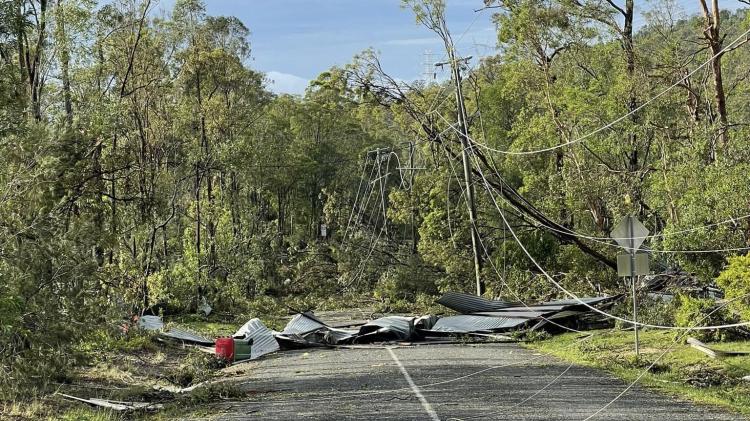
[632, 282]
[630, 234]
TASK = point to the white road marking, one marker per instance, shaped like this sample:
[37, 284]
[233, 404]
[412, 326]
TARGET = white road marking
[426, 405]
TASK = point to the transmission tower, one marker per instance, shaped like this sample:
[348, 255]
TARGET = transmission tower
[429, 75]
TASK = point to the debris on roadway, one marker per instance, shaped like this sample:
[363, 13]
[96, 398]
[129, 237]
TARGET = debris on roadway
[479, 317]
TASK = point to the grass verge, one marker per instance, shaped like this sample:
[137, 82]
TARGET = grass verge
[682, 372]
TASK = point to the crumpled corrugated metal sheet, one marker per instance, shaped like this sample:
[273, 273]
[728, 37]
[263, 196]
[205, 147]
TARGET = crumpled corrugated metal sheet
[331, 336]
[263, 339]
[338, 336]
[187, 336]
[588, 300]
[307, 330]
[549, 307]
[479, 314]
[426, 322]
[150, 323]
[294, 341]
[387, 328]
[565, 313]
[470, 323]
[468, 304]
[515, 313]
[303, 323]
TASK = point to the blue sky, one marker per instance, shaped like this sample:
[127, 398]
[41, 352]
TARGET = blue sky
[295, 40]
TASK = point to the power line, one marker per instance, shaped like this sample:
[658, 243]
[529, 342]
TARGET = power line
[369, 190]
[341, 394]
[489, 189]
[608, 240]
[621, 118]
[356, 198]
[497, 272]
[671, 346]
[435, 105]
[361, 266]
[503, 410]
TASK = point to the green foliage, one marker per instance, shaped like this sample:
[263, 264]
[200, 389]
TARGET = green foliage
[696, 312]
[156, 170]
[682, 371]
[735, 281]
[656, 311]
[87, 414]
[529, 335]
[406, 281]
[115, 340]
[196, 368]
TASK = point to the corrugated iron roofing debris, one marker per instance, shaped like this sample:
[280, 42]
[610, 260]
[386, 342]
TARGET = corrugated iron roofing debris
[307, 330]
[565, 313]
[470, 323]
[425, 322]
[553, 306]
[479, 314]
[150, 323]
[187, 336]
[516, 314]
[293, 341]
[588, 300]
[535, 307]
[470, 304]
[303, 323]
[263, 339]
[337, 336]
[156, 323]
[387, 328]
[323, 336]
[467, 304]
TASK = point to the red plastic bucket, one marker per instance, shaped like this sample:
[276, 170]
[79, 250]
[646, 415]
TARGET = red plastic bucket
[225, 348]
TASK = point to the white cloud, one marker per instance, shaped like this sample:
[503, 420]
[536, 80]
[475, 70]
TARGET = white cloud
[285, 83]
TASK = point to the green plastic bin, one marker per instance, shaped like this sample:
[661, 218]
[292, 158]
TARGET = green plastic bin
[242, 348]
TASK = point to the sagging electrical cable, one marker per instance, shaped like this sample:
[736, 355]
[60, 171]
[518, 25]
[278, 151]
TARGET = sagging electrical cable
[671, 346]
[489, 189]
[356, 394]
[492, 263]
[356, 198]
[607, 241]
[621, 118]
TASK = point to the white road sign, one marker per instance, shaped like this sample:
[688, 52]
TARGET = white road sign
[629, 228]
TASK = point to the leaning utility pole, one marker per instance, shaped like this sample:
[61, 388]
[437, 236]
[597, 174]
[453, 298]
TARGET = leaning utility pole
[466, 148]
[411, 200]
[431, 14]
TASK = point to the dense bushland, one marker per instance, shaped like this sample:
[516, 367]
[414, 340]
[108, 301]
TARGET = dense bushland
[146, 167]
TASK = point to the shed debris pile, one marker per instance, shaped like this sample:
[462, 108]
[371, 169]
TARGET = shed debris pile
[668, 284]
[478, 316]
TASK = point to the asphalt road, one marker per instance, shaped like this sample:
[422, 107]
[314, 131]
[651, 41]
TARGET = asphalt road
[441, 382]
